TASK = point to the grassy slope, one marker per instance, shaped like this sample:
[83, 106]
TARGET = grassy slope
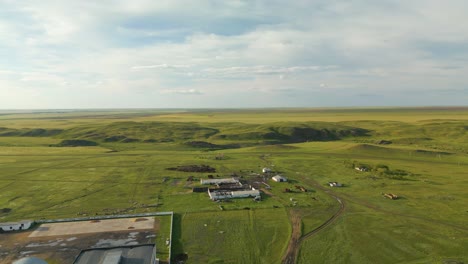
[64, 181]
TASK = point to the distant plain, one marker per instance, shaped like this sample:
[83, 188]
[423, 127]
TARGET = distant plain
[57, 164]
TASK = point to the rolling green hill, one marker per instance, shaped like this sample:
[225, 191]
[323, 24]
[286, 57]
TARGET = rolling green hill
[57, 165]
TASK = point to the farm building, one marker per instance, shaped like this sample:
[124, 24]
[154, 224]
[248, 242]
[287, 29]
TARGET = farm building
[335, 184]
[223, 194]
[279, 178]
[362, 168]
[219, 181]
[266, 170]
[390, 196]
[141, 254]
[14, 226]
[30, 260]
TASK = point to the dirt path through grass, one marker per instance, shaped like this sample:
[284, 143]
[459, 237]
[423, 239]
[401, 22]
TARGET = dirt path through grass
[296, 238]
[294, 242]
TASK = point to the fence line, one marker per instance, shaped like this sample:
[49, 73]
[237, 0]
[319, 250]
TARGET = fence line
[170, 241]
[101, 217]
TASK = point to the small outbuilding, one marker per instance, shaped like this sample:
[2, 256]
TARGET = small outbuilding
[15, 226]
[279, 178]
[335, 184]
[362, 168]
[266, 170]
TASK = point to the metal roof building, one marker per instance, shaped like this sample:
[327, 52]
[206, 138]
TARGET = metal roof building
[220, 195]
[218, 181]
[13, 226]
[30, 260]
[139, 254]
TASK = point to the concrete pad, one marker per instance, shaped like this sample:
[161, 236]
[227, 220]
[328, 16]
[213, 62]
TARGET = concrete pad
[93, 226]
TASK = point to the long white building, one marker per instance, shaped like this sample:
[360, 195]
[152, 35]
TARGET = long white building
[15, 226]
[218, 181]
[221, 194]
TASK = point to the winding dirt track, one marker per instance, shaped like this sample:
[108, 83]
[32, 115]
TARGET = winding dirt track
[296, 238]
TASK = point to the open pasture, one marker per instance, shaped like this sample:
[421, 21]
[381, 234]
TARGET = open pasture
[241, 236]
[419, 154]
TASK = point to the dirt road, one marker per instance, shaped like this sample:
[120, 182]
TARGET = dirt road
[296, 238]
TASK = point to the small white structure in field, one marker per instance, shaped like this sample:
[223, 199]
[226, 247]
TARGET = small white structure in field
[266, 170]
[15, 226]
[362, 168]
[218, 181]
[279, 178]
[335, 184]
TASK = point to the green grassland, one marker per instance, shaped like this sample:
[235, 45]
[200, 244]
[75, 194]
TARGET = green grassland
[48, 169]
[215, 237]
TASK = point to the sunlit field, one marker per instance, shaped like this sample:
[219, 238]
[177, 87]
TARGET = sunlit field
[67, 164]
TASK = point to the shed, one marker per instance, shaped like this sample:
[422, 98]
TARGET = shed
[266, 170]
[335, 184]
[279, 178]
[15, 226]
[30, 260]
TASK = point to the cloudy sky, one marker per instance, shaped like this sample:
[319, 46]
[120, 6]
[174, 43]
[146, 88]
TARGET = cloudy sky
[258, 53]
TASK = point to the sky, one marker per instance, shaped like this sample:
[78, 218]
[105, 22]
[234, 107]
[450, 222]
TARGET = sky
[232, 54]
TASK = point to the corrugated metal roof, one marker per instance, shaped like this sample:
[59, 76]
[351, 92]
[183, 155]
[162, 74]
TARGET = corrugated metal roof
[140, 254]
[30, 260]
[216, 181]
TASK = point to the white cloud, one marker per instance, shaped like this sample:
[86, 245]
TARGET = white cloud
[159, 66]
[231, 49]
[182, 91]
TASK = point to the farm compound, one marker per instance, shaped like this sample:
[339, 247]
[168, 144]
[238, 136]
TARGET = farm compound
[229, 188]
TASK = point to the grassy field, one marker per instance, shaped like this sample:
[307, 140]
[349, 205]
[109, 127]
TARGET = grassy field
[238, 236]
[420, 154]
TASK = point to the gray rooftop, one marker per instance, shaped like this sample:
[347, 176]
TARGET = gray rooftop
[140, 254]
[30, 260]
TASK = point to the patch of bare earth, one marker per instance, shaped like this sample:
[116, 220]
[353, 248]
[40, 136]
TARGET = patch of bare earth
[293, 246]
